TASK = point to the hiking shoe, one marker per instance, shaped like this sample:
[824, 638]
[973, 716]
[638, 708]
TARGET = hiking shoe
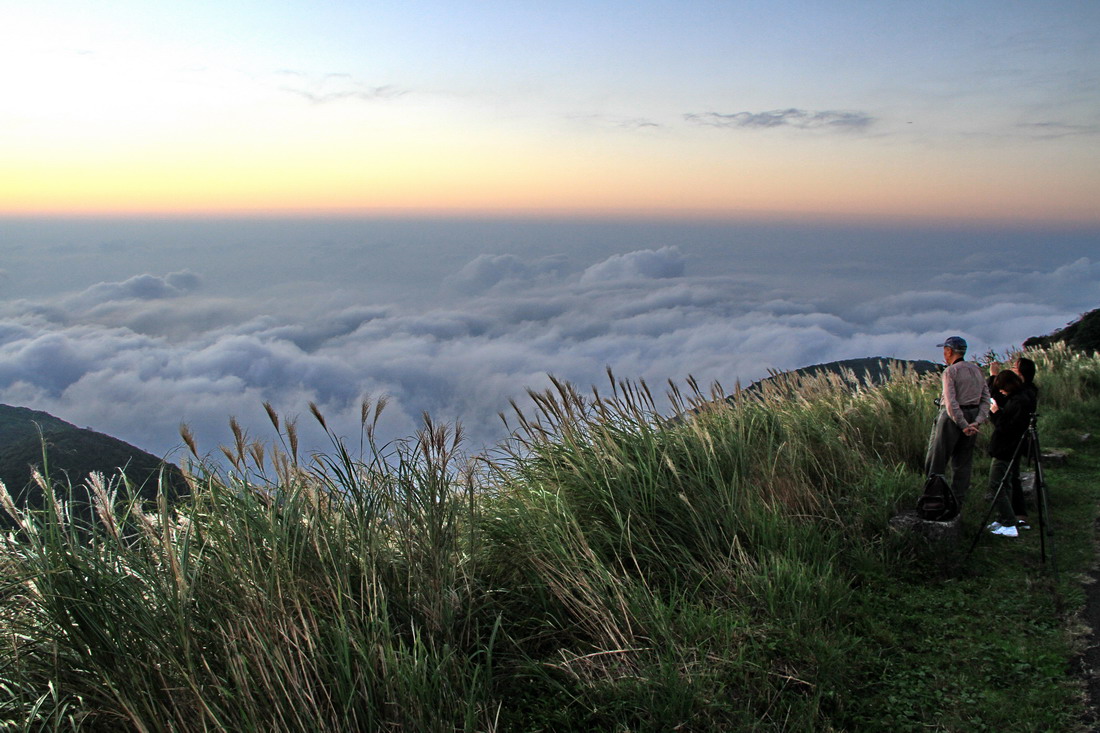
[1005, 531]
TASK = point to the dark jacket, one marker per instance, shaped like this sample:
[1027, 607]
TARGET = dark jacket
[1000, 399]
[1010, 422]
[1032, 393]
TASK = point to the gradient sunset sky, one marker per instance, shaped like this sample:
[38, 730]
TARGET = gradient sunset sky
[868, 110]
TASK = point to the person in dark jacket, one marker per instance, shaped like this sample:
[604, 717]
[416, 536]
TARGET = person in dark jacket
[1011, 416]
[1025, 368]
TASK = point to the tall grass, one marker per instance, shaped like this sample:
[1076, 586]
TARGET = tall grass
[607, 569]
[749, 511]
[330, 599]
[1069, 384]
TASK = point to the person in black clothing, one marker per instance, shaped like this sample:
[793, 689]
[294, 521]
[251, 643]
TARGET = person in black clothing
[1012, 409]
[1025, 368]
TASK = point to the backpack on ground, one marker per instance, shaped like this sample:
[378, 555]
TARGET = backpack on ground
[937, 503]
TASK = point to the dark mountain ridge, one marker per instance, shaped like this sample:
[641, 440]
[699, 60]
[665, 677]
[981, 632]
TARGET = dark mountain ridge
[864, 372]
[1080, 335]
[854, 373]
[71, 454]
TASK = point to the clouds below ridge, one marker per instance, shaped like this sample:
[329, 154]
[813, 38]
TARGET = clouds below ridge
[663, 263]
[644, 313]
[487, 271]
[139, 287]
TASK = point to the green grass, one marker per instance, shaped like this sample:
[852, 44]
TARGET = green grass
[608, 571]
[984, 645]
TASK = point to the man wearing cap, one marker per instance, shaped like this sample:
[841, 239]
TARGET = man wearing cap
[964, 407]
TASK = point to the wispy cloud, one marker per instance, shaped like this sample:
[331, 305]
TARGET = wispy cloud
[1054, 130]
[328, 88]
[800, 119]
[617, 122]
[637, 123]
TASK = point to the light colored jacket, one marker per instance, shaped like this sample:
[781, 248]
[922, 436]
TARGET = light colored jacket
[964, 385]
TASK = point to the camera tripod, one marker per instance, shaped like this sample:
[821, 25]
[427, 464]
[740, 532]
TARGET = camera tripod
[1026, 449]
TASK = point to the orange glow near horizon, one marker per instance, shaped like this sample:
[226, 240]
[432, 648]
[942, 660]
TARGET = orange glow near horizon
[508, 178]
[160, 199]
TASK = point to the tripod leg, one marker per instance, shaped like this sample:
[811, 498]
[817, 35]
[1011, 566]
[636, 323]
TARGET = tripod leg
[992, 505]
[1045, 531]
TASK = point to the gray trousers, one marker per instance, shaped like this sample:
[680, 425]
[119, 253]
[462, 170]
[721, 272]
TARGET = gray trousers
[948, 445]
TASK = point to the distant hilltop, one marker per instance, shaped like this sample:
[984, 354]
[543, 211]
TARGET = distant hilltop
[71, 454]
[855, 373]
[1081, 335]
[864, 372]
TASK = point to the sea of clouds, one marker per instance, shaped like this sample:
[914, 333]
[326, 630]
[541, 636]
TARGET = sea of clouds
[137, 356]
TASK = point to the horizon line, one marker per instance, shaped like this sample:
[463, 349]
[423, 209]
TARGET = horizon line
[670, 216]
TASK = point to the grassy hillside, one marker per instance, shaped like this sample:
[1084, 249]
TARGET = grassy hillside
[70, 455]
[606, 571]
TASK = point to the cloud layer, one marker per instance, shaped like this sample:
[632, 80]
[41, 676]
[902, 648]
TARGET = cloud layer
[137, 357]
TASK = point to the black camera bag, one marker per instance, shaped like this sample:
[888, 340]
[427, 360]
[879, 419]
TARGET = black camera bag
[937, 503]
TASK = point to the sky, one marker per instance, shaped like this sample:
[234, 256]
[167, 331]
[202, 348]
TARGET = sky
[205, 206]
[834, 108]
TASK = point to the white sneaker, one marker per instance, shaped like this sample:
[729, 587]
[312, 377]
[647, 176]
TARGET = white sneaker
[1005, 531]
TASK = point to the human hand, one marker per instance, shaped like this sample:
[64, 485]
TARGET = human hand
[995, 368]
[970, 430]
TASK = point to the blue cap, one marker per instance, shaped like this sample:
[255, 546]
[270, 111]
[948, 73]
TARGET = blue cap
[955, 343]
